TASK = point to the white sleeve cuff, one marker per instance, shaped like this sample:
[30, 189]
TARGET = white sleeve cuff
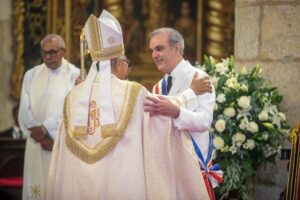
[51, 125]
[188, 99]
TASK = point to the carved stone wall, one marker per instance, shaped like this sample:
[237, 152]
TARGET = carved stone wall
[267, 32]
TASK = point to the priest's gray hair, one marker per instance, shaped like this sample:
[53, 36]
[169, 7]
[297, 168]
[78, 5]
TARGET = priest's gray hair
[174, 37]
[113, 62]
[51, 36]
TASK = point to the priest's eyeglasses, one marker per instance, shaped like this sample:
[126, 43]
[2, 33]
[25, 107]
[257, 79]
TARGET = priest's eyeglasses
[51, 53]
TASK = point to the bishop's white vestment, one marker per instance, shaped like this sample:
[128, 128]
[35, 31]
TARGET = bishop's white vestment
[138, 157]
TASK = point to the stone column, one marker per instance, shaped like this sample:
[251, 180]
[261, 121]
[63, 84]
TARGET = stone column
[268, 33]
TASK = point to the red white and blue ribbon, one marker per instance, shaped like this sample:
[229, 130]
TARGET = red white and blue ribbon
[213, 171]
[161, 87]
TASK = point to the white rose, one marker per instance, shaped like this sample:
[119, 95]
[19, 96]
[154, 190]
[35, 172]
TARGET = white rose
[238, 138]
[221, 67]
[263, 115]
[252, 127]
[244, 102]
[282, 116]
[231, 82]
[218, 142]
[221, 98]
[220, 125]
[251, 144]
[229, 112]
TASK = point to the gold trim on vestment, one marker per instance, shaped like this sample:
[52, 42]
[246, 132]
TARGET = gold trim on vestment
[111, 133]
[80, 131]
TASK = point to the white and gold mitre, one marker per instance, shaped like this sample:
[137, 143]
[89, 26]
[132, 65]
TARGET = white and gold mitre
[104, 37]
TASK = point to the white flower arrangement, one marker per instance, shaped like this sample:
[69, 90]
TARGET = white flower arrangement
[248, 127]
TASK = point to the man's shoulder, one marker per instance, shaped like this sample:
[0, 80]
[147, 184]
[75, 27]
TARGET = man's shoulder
[32, 70]
[72, 67]
[133, 84]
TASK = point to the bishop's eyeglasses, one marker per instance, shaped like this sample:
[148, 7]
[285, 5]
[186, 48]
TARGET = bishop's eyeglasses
[125, 60]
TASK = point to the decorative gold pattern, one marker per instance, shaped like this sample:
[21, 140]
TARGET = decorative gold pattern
[114, 7]
[112, 134]
[35, 191]
[18, 70]
[199, 45]
[294, 135]
[68, 6]
[218, 30]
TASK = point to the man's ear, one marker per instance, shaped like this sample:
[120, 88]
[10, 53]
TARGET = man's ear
[177, 48]
[63, 51]
[118, 64]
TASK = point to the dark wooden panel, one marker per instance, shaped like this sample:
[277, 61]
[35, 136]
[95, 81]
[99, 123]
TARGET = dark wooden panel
[11, 157]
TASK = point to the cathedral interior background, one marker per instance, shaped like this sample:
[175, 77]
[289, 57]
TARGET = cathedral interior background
[207, 27]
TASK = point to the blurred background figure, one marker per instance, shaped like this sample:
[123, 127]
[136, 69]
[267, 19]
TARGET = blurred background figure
[132, 30]
[186, 25]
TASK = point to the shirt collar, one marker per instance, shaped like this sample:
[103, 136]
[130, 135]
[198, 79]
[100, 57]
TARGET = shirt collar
[176, 71]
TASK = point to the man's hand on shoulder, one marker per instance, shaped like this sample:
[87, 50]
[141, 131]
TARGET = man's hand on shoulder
[201, 85]
[160, 105]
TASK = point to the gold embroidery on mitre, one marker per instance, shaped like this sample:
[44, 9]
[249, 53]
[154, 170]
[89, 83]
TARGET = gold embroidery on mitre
[112, 133]
[97, 50]
[111, 40]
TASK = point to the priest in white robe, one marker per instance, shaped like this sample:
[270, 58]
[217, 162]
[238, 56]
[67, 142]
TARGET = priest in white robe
[108, 147]
[41, 109]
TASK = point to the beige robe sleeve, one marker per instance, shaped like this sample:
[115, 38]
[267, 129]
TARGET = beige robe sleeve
[171, 168]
